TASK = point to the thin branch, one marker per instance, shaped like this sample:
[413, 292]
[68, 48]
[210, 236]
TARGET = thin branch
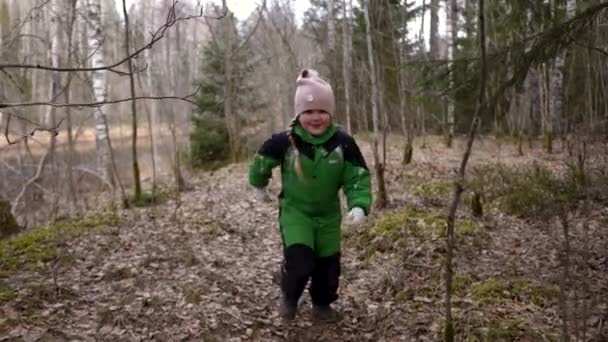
[284, 38]
[219, 16]
[253, 30]
[35, 178]
[15, 171]
[20, 23]
[590, 47]
[101, 103]
[53, 130]
[155, 37]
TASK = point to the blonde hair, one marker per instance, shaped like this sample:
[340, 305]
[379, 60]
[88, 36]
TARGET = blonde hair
[297, 164]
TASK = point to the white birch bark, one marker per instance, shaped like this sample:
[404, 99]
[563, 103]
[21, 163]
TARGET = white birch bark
[556, 104]
[451, 33]
[98, 79]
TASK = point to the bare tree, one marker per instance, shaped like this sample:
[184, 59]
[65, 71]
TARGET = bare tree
[459, 183]
[331, 41]
[347, 47]
[136, 178]
[434, 36]
[452, 34]
[71, 18]
[99, 87]
[381, 202]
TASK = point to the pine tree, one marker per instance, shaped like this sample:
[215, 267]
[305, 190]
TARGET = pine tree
[210, 144]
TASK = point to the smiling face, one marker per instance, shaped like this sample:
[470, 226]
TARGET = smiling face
[315, 121]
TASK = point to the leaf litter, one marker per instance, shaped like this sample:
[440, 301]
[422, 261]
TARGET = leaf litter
[211, 275]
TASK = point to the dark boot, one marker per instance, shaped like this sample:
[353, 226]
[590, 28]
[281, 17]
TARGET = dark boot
[287, 310]
[297, 269]
[324, 313]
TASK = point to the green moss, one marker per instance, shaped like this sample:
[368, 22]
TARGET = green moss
[149, 198]
[508, 329]
[436, 193]
[7, 295]
[214, 230]
[460, 284]
[529, 192]
[496, 291]
[392, 231]
[38, 244]
[489, 291]
[538, 294]
[488, 327]
[421, 224]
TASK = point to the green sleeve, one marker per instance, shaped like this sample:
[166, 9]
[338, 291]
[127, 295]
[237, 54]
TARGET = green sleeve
[268, 157]
[260, 170]
[357, 186]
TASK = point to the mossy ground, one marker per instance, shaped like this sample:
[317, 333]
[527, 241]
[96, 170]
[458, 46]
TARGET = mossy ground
[38, 245]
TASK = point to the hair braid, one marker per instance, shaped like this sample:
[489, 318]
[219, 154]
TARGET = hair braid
[296, 163]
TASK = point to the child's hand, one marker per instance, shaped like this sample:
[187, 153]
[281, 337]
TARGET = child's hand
[355, 216]
[261, 195]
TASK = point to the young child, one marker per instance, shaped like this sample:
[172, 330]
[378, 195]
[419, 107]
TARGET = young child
[316, 159]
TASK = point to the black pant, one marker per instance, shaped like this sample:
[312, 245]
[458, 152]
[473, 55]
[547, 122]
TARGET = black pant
[300, 265]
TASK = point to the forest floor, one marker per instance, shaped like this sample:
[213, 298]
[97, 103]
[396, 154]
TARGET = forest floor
[209, 273]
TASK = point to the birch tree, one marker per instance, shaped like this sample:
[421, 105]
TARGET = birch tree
[71, 19]
[452, 33]
[556, 88]
[98, 79]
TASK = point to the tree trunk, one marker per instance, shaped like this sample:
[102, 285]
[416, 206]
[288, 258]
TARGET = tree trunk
[347, 60]
[136, 178]
[545, 100]
[459, 184]
[405, 124]
[381, 202]
[71, 10]
[434, 39]
[8, 224]
[331, 41]
[556, 88]
[452, 33]
[99, 89]
[231, 120]
[564, 279]
[151, 107]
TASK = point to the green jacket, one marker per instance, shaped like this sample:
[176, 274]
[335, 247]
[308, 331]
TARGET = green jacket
[329, 162]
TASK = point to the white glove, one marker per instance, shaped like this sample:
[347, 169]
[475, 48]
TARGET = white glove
[261, 195]
[355, 216]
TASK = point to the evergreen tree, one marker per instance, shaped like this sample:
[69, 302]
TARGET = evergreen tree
[209, 138]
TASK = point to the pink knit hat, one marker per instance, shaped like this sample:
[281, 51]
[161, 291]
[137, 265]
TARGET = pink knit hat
[312, 92]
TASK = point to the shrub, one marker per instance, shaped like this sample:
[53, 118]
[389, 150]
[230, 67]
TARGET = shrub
[209, 142]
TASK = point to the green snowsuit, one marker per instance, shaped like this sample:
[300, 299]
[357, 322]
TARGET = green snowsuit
[310, 212]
